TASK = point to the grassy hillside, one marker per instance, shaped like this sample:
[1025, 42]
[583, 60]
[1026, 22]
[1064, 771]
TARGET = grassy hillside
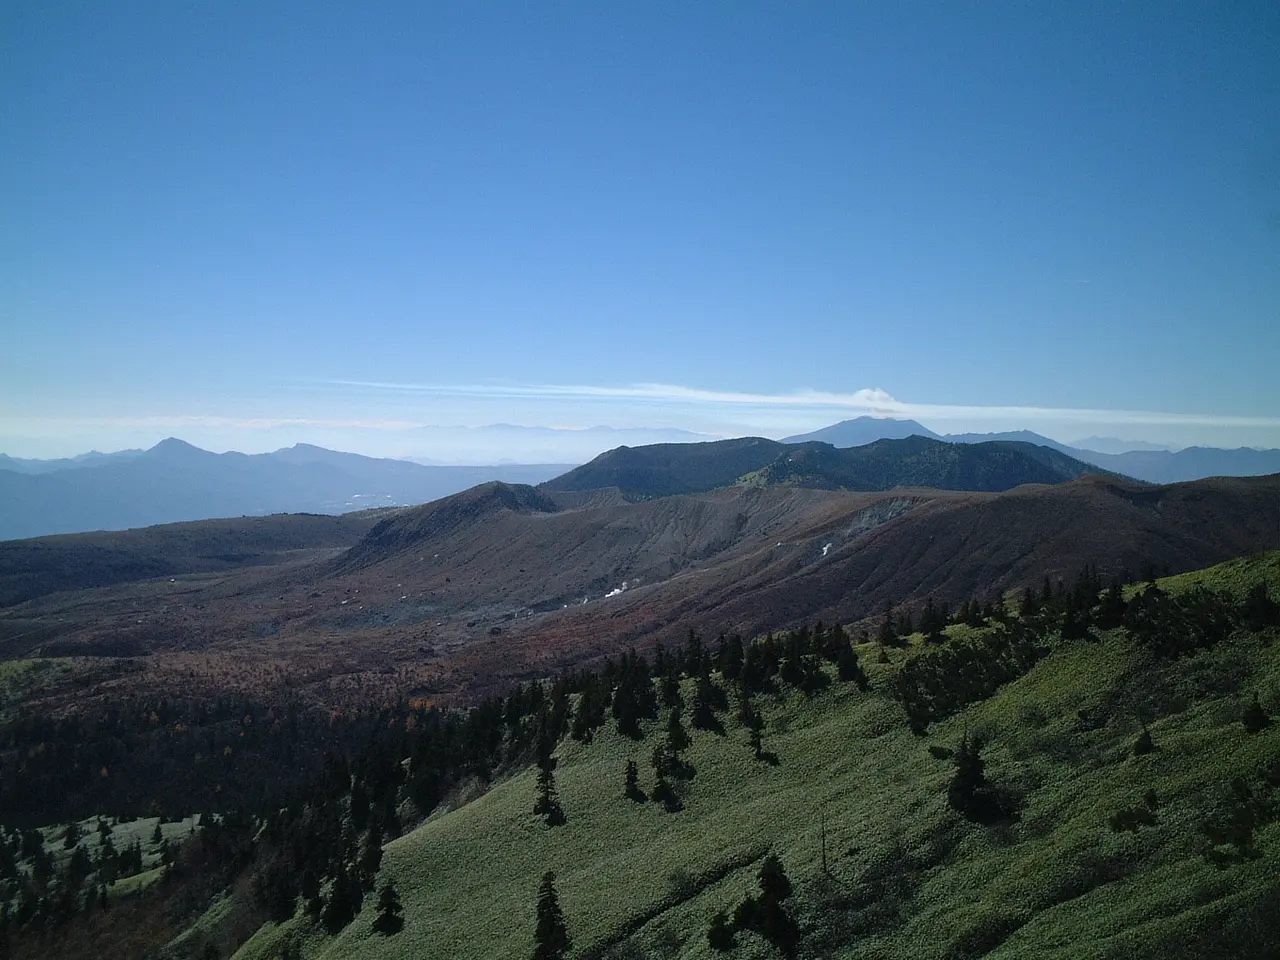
[907, 876]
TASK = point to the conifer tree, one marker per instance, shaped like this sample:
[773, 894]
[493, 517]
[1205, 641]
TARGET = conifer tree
[850, 670]
[792, 671]
[371, 858]
[696, 661]
[590, 712]
[720, 933]
[677, 738]
[1111, 608]
[389, 920]
[551, 939]
[631, 783]
[773, 879]
[664, 767]
[731, 665]
[344, 901]
[1144, 744]
[704, 704]
[888, 634]
[1259, 610]
[966, 794]
[1255, 718]
[754, 723]
[669, 686]
[767, 913]
[547, 805]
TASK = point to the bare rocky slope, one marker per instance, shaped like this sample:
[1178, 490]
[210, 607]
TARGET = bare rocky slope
[500, 582]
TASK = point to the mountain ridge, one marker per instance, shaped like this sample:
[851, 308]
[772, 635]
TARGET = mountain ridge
[664, 470]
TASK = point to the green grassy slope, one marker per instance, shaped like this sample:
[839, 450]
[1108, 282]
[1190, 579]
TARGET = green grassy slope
[907, 876]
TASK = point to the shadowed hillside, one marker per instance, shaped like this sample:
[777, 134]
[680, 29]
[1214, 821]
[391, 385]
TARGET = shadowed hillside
[921, 462]
[668, 468]
[78, 561]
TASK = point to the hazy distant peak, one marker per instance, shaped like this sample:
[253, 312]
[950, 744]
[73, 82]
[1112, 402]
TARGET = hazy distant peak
[1016, 436]
[171, 447]
[863, 430]
[1115, 445]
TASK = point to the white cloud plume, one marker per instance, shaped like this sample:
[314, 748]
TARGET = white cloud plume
[872, 401]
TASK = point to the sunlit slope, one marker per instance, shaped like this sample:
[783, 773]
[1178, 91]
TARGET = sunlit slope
[907, 876]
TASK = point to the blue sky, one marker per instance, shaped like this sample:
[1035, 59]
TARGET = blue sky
[253, 223]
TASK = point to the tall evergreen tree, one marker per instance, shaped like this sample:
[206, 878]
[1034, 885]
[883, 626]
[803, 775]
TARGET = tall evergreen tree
[677, 738]
[551, 939]
[1027, 609]
[547, 805]
[696, 661]
[1259, 610]
[966, 794]
[888, 635]
[720, 933]
[1255, 718]
[707, 696]
[850, 669]
[1111, 608]
[731, 663]
[754, 722]
[344, 900]
[389, 920]
[767, 914]
[631, 783]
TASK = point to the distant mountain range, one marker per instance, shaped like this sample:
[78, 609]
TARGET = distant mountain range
[91, 459]
[1142, 461]
[174, 481]
[1115, 445]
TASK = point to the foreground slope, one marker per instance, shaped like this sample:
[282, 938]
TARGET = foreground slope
[856, 807]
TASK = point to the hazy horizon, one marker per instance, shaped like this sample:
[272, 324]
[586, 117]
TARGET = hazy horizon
[253, 226]
[500, 443]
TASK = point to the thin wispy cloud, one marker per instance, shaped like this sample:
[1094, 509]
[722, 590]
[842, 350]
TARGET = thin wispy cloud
[871, 401]
[184, 421]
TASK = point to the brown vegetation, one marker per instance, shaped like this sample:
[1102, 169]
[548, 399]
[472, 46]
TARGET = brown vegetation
[471, 592]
